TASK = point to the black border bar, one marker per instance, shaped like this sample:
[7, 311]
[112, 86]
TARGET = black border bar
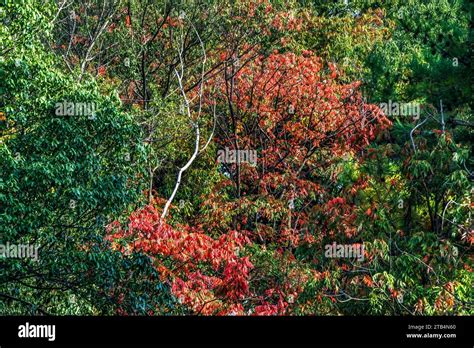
[327, 330]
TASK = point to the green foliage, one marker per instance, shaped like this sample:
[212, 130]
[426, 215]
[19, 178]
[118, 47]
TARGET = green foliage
[63, 179]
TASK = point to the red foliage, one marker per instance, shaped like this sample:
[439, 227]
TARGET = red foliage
[300, 119]
[182, 254]
[101, 70]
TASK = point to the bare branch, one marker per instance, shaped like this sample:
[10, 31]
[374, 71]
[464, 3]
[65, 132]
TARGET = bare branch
[194, 124]
[411, 133]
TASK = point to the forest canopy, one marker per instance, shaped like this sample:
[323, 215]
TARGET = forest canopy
[254, 157]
